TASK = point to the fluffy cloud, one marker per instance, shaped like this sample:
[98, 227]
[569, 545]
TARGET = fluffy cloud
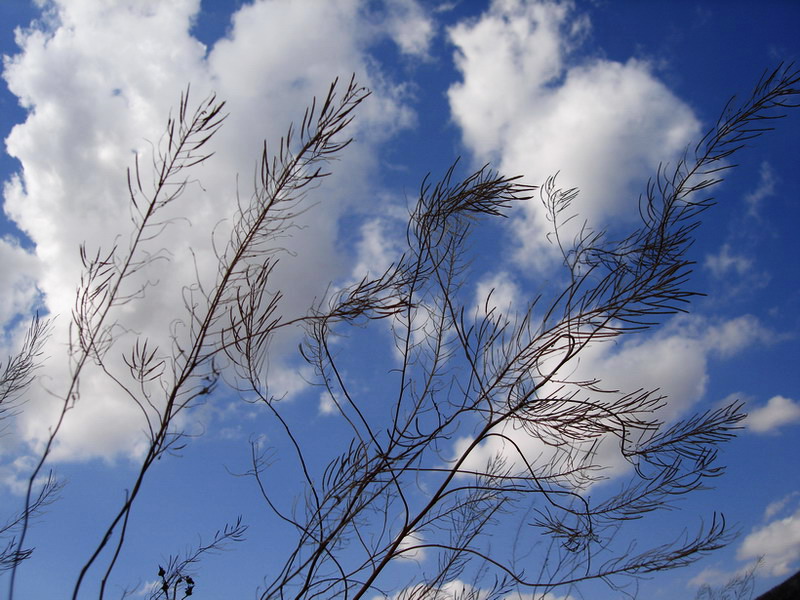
[603, 125]
[378, 247]
[327, 406]
[731, 336]
[674, 361]
[99, 80]
[778, 542]
[777, 412]
[409, 546]
[410, 27]
[497, 292]
[18, 271]
[771, 549]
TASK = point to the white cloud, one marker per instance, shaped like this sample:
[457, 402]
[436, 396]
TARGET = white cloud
[497, 292]
[778, 542]
[764, 189]
[710, 576]
[725, 579]
[377, 248]
[408, 547]
[504, 57]
[673, 362]
[14, 476]
[456, 589]
[725, 261]
[147, 588]
[676, 366]
[410, 27]
[99, 82]
[722, 338]
[327, 405]
[734, 335]
[449, 591]
[777, 412]
[18, 272]
[604, 125]
[773, 508]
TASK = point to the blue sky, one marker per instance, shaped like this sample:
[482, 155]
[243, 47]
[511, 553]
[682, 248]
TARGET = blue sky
[600, 92]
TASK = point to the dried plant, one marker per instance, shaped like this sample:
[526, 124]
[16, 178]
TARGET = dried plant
[738, 587]
[402, 486]
[176, 578]
[18, 373]
[19, 370]
[406, 482]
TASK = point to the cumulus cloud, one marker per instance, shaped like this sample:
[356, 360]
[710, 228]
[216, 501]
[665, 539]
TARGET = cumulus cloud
[771, 549]
[411, 549]
[779, 411]
[18, 272]
[778, 542]
[377, 248]
[497, 292]
[673, 362]
[410, 27]
[731, 336]
[603, 125]
[99, 80]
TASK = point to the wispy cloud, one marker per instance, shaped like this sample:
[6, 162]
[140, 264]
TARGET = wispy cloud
[726, 261]
[774, 508]
[735, 262]
[764, 189]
